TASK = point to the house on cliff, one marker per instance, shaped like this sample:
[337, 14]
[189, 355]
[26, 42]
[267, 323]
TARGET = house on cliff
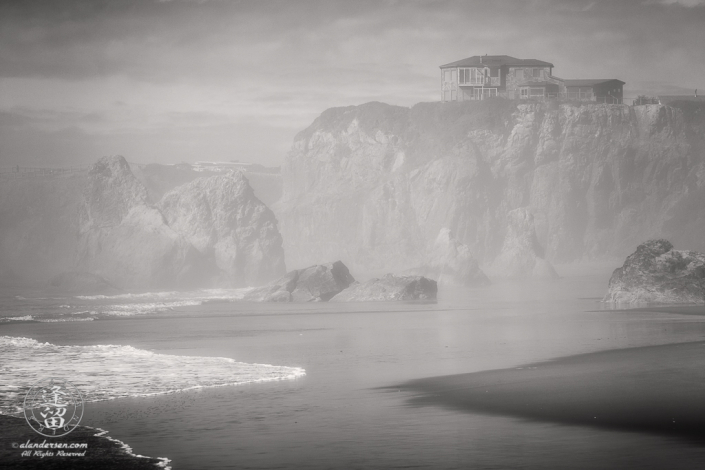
[480, 77]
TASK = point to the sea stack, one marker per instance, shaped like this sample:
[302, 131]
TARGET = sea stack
[657, 273]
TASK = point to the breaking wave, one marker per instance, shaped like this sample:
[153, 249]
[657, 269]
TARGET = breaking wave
[106, 372]
[92, 307]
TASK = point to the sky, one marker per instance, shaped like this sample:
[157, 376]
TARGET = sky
[227, 80]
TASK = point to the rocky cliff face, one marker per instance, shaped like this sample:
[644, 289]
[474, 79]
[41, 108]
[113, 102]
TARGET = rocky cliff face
[374, 184]
[124, 238]
[103, 225]
[521, 256]
[221, 217]
[451, 263]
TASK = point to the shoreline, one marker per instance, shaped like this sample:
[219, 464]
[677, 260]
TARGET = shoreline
[651, 389]
[102, 451]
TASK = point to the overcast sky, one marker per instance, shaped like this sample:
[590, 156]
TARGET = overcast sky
[188, 80]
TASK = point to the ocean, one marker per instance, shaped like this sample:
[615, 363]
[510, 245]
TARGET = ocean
[210, 381]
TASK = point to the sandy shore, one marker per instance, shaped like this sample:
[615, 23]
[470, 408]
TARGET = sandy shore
[102, 452]
[656, 389]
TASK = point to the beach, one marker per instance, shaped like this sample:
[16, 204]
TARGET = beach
[655, 389]
[21, 448]
[386, 384]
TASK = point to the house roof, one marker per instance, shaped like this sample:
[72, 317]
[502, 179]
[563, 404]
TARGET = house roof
[591, 81]
[497, 60]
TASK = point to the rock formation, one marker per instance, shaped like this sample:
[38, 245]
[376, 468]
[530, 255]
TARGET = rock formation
[374, 184]
[390, 287]
[521, 255]
[221, 217]
[656, 273]
[451, 263]
[313, 284]
[125, 239]
[211, 231]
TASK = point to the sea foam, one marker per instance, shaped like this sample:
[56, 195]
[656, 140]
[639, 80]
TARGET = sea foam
[106, 372]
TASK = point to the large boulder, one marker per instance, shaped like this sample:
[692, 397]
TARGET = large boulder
[522, 256]
[451, 263]
[656, 273]
[390, 287]
[221, 217]
[313, 284]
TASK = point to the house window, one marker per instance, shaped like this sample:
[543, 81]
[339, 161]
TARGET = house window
[471, 76]
[523, 92]
[537, 73]
[494, 73]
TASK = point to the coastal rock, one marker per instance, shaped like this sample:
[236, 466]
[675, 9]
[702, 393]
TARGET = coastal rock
[522, 256]
[390, 287]
[656, 273]
[221, 217]
[451, 263]
[82, 282]
[374, 184]
[124, 238]
[313, 284]
[208, 232]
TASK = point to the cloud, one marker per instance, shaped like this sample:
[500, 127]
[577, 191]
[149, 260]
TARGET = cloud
[683, 3]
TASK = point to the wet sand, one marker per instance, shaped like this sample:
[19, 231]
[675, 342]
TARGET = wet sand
[655, 389]
[102, 452]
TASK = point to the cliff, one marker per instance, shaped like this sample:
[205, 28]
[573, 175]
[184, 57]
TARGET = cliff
[375, 184]
[123, 237]
[221, 217]
[451, 263]
[103, 224]
[521, 255]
